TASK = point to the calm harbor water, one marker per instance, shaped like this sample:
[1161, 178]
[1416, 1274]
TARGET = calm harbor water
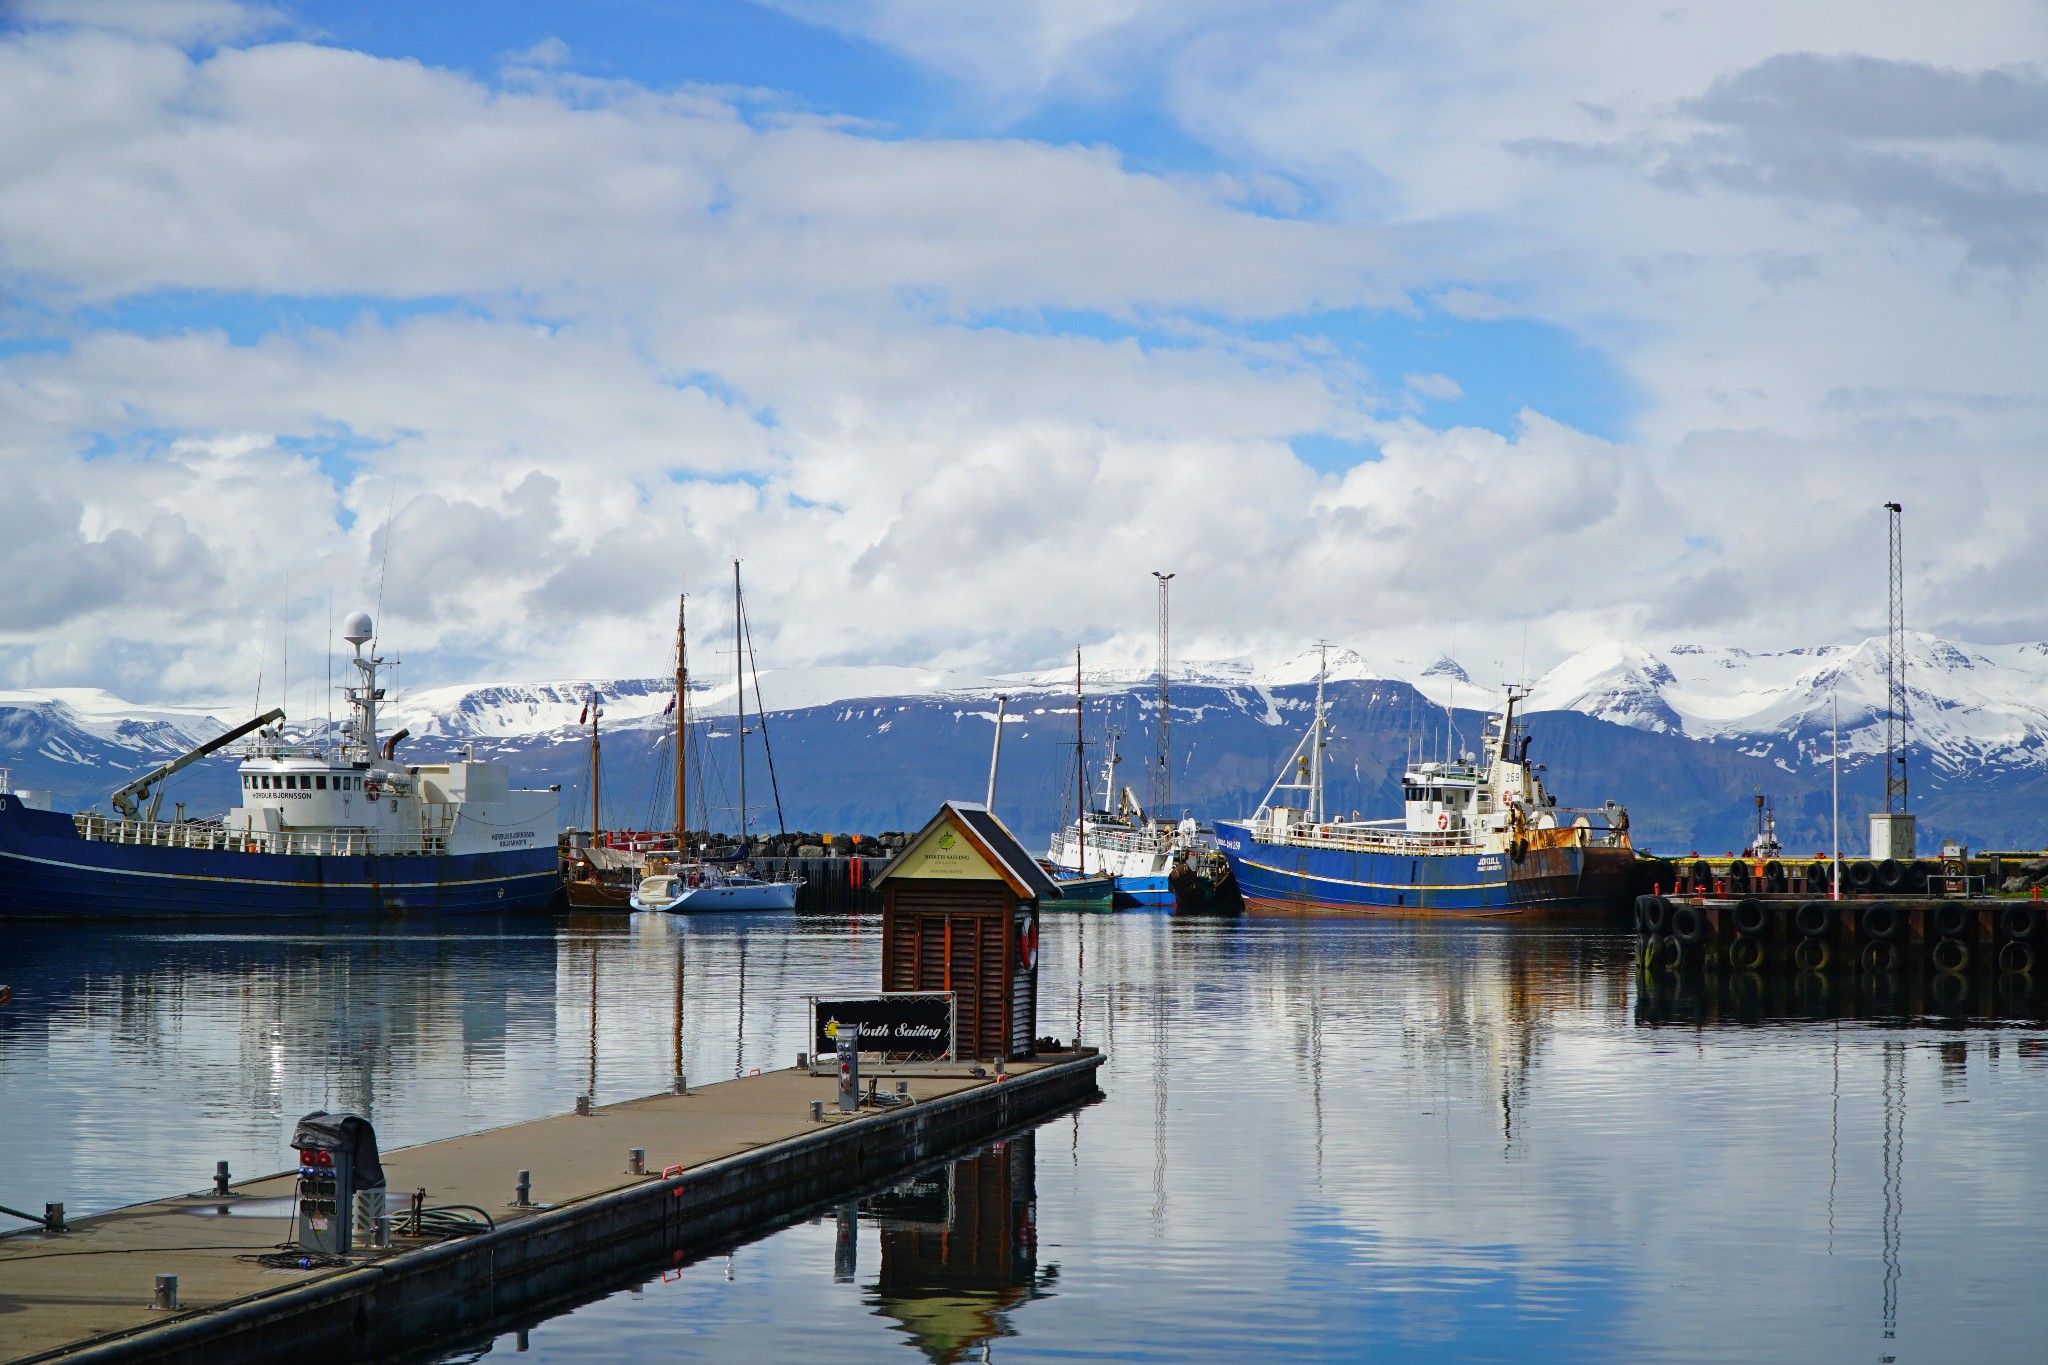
[1320, 1141]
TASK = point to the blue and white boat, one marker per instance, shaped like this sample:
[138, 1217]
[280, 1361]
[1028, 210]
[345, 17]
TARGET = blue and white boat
[1119, 841]
[322, 830]
[1477, 838]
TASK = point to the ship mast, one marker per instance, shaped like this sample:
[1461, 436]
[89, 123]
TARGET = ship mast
[1080, 775]
[683, 760]
[1316, 754]
[739, 681]
[596, 710]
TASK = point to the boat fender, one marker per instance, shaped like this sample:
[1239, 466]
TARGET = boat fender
[1811, 955]
[1688, 925]
[1749, 917]
[1890, 875]
[1880, 923]
[1746, 953]
[1519, 849]
[1813, 919]
[1951, 921]
[1654, 912]
[2016, 958]
[2020, 922]
[1881, 955]
[1861, 875]
[1951, 955]
[1774, 871]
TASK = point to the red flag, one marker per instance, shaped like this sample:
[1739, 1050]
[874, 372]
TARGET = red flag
[584, 719]
[670, 709]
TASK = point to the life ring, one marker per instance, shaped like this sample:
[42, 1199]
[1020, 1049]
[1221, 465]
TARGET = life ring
[1443, 821]
[372, 790]
[1027, 943]
[1749, 918]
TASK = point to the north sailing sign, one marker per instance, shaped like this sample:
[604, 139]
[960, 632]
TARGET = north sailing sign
[914, 1025]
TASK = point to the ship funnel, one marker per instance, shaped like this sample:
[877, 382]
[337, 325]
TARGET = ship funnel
[356, 629]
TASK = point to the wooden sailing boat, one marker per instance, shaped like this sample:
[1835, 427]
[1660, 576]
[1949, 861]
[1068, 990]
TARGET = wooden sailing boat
[695, 884]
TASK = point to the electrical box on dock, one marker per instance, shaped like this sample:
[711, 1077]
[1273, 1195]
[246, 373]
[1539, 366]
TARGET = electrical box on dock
[337, 1160]
[1892, 835]
[960, 915]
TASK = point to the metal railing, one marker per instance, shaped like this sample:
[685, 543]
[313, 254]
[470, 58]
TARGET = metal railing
[219, 838]
[1370, 839]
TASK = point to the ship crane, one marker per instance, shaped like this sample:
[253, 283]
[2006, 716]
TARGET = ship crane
[126, 799]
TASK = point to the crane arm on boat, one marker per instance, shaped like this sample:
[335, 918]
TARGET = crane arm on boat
[125, 800]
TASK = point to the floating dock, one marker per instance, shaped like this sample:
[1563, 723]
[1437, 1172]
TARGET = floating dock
[720, 1161]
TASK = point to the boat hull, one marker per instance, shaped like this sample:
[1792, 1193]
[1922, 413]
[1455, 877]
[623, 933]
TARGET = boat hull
[48, 872]
[1285, 880]
[714, 900]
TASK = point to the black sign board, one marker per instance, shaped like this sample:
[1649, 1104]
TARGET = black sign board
[913, 1025]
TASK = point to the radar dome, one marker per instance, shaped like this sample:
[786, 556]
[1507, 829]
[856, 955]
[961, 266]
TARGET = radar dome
[356, 629]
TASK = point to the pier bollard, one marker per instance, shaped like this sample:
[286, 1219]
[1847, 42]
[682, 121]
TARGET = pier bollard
[53, 1218]
[903, 1087]
[682, 1084]
[583, 1106]
[636, 1161]
[522, 1193]
[999, 1067]
[220, 1179]
[817, 1111]
[166, 1292]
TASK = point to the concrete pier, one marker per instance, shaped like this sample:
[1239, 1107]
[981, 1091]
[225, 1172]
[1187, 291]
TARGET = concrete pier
[737, 1154]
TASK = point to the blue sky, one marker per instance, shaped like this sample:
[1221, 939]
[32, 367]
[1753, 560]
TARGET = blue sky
[580, 301]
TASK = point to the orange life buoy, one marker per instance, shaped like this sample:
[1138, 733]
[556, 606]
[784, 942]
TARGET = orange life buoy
[1443, 821]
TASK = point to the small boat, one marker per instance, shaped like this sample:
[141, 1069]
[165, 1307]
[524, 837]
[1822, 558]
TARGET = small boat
[711, 887]
[1097, 891]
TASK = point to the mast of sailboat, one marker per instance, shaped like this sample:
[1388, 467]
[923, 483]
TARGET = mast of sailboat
[683, 688]
[739, 681]
[1080, 774]
[596, 710]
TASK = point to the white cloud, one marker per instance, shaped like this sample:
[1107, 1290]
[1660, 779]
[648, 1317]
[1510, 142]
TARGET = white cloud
[639, 333]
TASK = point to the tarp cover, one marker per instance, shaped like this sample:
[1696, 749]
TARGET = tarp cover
[351, 1133]
[611, 859]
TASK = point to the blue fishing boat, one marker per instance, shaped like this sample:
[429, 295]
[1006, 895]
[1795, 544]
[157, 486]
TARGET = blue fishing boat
[1477, 838]
[342, 829]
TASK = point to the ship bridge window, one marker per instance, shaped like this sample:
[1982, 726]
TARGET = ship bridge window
[264, 780]
[320, 782]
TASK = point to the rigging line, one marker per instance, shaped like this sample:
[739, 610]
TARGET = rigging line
[761, 716]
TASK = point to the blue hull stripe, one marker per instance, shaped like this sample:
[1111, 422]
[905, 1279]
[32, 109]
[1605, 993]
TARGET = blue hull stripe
[1343, 881]
[47, 871]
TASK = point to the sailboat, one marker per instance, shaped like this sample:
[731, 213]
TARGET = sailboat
[598, 876]
[708, 885]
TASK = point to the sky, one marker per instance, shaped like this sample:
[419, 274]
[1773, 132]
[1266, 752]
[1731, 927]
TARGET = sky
[1497, 328]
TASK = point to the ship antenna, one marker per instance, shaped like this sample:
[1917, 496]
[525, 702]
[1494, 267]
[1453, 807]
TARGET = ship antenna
[384, 567]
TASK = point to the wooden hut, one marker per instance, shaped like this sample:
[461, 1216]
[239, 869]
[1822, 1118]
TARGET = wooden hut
[960, 914]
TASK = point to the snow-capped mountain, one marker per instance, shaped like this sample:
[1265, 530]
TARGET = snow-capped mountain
[1684, 734]
[1969, 707]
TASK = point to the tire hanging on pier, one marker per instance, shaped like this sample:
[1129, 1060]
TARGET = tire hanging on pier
[1951, 955]
[1688, 924]
[1951, 920]
[1749, 917]
[1880, 923]
[2020, 922]
[1813, 919]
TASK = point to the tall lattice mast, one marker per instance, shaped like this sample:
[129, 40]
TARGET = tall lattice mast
[1895, 676]
[1162, 770]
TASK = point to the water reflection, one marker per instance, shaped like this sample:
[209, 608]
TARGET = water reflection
[1320, 1141]
[959, 1251]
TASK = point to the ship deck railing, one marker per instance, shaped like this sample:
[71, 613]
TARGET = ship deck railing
[222, 839]
[1362, 837]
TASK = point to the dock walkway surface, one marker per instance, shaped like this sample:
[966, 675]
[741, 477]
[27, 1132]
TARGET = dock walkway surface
[748, 1149]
